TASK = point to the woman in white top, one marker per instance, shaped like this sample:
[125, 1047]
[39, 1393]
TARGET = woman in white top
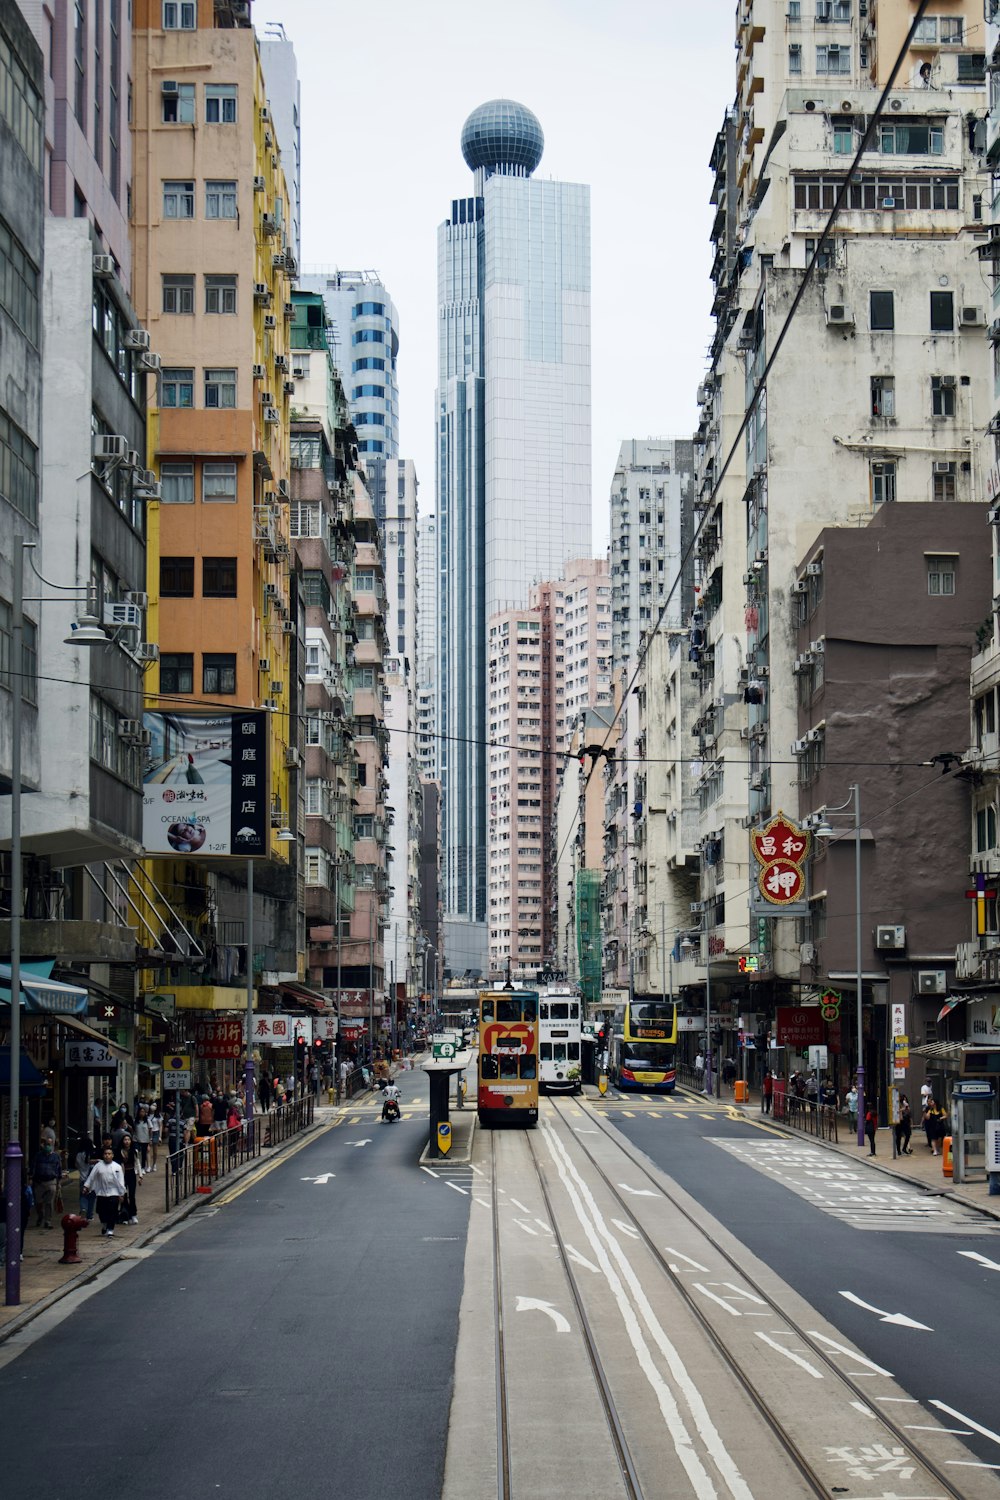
[155, 1132]
[141, 1136]
[107, 1180]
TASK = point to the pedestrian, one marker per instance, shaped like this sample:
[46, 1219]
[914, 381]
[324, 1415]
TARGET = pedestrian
[851, 1100]
[699, 1064]
[155, 1132]
[86, 1159]
[265, 1089]
[206, 1114]
[871, 1125]
[107, 1180]
[46, 1175]
[926, 1094]
[128, 1158]
[767, 1092]
[177, 1138]
[904, 1127]
[141, 1136]
[729, 1074]
[935, 1124]
[812, 1091]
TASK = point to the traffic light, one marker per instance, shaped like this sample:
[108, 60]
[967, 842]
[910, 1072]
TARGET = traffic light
[602, 1035]
[318, 1045]
[716, 1037]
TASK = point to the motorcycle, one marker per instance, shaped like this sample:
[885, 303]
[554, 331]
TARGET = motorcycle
[390, 1110]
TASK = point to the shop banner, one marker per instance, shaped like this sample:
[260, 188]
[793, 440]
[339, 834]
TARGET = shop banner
[205, 788]
[218, 1039]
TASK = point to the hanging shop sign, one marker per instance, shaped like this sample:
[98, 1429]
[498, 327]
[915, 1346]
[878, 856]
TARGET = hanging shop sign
[780, 849]
[218, 1039]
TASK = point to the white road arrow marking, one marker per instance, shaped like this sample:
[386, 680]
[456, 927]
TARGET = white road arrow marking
[324, 1177]
[535, 1304]
[357, 1143]
[638, 1192]
[626, 1228]
[695, 1265]
[581, 1260]
[796, 1359]
[975, 1255]
[900, 1319]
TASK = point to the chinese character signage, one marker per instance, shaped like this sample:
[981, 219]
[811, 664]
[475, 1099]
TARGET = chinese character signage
[218, 1039]
[205, 784]
[780, 850]
[800, 1027]
[89, 1057]
[281, 1031]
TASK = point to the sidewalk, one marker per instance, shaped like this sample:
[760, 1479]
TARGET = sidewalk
[922, 1169]
[44, 1280]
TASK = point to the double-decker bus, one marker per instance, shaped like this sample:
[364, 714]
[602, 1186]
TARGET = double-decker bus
[644, 1047]
[560, 1029]
[508, 1057]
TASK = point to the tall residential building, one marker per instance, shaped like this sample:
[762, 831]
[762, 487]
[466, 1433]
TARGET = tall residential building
[213, 256]
[427, 601]
[281, 75]
[512, 448]
[363, 333]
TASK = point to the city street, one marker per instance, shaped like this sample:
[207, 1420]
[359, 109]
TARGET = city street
[331, 1321]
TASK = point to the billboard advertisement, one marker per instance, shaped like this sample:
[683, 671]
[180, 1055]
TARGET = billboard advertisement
[205, 785]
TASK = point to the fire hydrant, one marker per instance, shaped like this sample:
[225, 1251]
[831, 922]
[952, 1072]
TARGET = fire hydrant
[71, 1226]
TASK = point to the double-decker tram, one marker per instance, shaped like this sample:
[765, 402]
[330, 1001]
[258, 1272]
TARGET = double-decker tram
[560, 1030]
[644, 1047]
[508, 1057]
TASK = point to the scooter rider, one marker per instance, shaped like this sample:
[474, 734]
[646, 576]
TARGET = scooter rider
[390, 1096]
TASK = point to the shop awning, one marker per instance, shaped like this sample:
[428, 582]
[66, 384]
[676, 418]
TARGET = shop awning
[950, 1004]
[303, 995]
[41, 995]
[82, 1029]
[31, 1081]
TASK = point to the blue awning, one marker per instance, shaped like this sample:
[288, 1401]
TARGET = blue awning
[41, 995]
[32, 1082]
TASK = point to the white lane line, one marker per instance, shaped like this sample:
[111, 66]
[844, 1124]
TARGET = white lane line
[482, 1202]
[865, 1411]
[695, 1265]
[638, 1192]
[527, 1228]
[956, 1431]
[964, 1463]
[478, 1170]
[961, 1417]
[581, 1260]
[852, 1354]
[428, 1171]
[796, 1359]
[464, 1191]
[735, 1312]
[545, 1228]
[628, 1229]
[522, 1206]
[606, 1247]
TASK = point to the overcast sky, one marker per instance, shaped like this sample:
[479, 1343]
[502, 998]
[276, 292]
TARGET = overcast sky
[630, 97]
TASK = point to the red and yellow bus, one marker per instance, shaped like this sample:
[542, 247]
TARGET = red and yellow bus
[644, 1047]
[508, 1057]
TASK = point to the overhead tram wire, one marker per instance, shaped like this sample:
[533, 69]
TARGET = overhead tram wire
[769, 363]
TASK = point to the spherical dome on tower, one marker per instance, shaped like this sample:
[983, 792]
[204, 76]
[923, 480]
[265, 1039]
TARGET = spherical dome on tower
[503, 136]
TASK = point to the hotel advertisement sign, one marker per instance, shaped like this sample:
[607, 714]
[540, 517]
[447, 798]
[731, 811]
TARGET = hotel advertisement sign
[205, 785]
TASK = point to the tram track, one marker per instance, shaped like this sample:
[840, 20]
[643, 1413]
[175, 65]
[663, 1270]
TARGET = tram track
[500, 1353]
[818, 1484]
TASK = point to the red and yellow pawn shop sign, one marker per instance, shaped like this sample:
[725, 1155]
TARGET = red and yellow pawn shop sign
[780, 849]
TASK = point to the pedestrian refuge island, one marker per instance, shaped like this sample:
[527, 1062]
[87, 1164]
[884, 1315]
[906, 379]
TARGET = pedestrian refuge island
[440, 1071]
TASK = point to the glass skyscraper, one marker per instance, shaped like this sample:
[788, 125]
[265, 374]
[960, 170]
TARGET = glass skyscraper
[513, 449]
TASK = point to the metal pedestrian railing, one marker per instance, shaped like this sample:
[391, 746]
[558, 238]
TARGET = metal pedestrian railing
[198, 1165]
[812, 1119]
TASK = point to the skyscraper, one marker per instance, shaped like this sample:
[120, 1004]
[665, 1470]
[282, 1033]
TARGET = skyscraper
[512, 451]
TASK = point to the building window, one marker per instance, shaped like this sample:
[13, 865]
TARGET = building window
[794, 11]
[178, 294]
[177, 106]
[80, 63]
[177, 672]
[843, 137]
[879, 191]
[370, 362]
[180, 15]
[986, 829]
[883, 391]
[178, 200]
[18, 468]
[364, 581]
[220, 294]
[971, 67]
[371, 445]
[368, 310]
[795, 58]
[943, 395]
[368, 336]
[360, 391]
[883, 480]
[176, 577]
[305, 518]
[177, 483]
[220, 199]
[883, 312]
[220, 388]
[218, 673]
[942, 312]
[218, 482]
[178, 387]
[18, 283]
[824, 262]
[29, 654]
[306, 452]
[943, 481]
[833, 59]
[218, 577]
[220, 103]
[897, 139]
[940, 575]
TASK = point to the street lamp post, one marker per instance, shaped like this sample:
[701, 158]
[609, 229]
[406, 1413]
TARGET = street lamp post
[86, 633]
[824, 831]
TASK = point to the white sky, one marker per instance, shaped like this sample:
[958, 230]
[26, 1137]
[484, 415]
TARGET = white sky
[630, 97]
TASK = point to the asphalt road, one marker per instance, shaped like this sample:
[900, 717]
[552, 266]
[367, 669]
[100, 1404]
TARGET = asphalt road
[923, 1273]
[297, 1340]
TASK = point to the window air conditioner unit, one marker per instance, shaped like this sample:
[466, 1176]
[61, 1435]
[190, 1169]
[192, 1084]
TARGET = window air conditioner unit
[799, 747]
[129, 729]
[268, 224]
[948, 382]
[289, 310]
[807, 953]
[281, 361]
[697, 906]
[109, 447]
[270, 321]
[802, 663]
[141, 601]
[149, 361]
[800, 586]
[289, 387]
[839, 315]
[813, 569]
[266, 398]
[971, 317]
[137, 338]
[818, 647]
[147, 651]
[288, 627]
[931, 982]
[104, 265]
[812, 735]
[261, 291]
[147, 482]
[264, 665]
[299, 371]
[276, 688]
[169, 86]
[283, 491]
[270, 592]
[942, 466]
[123, 616]
[278, 261]
[272, 414]
[259, 372]
[890, 937]
[293, 758]
[757, 783]
[260, 184]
